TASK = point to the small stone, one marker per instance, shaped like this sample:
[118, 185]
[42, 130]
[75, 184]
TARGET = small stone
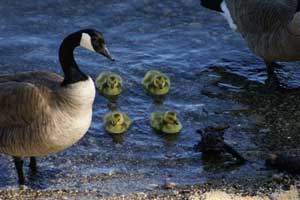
[111, 172]
[194, 197]
[175, 192]
[170, 185]
[140, 194]
[152, 186]
[278, 177]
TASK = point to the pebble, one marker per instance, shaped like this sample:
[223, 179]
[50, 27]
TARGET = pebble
[278, 177]
[170, 185]
[153, 186]
[140, 194]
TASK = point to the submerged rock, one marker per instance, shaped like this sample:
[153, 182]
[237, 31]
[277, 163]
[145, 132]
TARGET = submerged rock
[212, 143]
[282, 162]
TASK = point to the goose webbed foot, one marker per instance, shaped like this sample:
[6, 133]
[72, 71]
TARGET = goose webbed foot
[32, 165]
[273, 82]
[19, 167]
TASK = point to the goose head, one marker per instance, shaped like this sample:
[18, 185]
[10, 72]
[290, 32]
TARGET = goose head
[212, 4]
[117, 119]
[112, 82]
[94, 41]
[170, 118]
[159, 82]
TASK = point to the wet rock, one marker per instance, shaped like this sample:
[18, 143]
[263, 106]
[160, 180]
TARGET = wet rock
[170, 185]
[282, 162]
[153, 186]
[212, 143]
[140, 194]
[278, 177]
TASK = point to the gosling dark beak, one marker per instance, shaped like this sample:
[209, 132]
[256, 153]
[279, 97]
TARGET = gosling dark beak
[105, 52]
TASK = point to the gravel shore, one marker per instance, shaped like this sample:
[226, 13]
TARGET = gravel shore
[203, 192]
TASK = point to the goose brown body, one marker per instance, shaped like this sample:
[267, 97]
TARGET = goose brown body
[271, 28]
[43, 113]
[39, 117]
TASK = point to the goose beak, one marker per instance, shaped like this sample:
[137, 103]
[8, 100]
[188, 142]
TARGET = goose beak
[105, 52]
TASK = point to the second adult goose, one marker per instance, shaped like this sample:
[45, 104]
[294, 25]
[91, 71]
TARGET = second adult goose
[271, 28]
[43, 113]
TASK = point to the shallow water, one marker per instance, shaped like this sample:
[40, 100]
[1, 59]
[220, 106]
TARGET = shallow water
[215, 79]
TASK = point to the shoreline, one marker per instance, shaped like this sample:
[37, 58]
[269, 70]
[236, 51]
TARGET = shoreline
[201, 192]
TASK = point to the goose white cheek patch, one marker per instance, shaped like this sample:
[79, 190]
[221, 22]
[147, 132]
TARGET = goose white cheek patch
[227, 15]
[86, 41]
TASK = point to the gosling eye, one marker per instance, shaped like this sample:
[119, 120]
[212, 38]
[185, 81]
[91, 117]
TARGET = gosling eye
[170, 119]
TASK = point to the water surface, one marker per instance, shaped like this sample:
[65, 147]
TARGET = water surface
[199, 52]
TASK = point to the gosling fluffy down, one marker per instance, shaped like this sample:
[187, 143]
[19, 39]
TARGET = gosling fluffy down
[156, 83]
[165, 122]
[117, 122]
[109, 84]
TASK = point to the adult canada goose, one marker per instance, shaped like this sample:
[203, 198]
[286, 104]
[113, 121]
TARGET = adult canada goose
[43, 113]
[271, 28]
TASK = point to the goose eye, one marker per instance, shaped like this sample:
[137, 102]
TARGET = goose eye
[97, 43]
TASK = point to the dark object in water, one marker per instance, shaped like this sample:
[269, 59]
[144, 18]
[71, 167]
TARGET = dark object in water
[213, 144]
[287, 163]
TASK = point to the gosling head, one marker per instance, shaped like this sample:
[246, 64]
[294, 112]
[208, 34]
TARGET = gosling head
[212, 4]
[160, 82]
[94, 41]
[117, 119]
[112, 82]
[170, 118]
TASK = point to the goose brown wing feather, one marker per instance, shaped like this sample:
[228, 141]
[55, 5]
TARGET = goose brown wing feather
[261, 16]
[21, 104]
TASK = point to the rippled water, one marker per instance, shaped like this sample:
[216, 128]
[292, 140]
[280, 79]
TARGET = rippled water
[215, 79]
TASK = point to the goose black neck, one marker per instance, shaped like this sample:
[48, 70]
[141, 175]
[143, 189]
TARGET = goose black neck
[298, 6]
[72, 73]
[212, 4]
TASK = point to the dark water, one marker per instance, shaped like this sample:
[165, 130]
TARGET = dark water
[199, 52]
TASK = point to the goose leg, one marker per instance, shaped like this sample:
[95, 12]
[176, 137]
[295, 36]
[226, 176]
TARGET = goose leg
[19, 167]
[32, 165]
[272, 81]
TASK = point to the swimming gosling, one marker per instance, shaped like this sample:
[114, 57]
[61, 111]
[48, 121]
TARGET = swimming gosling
[43, 113]
[156, 83]
[165, 122]
[270, 27]
[117, 122]
[109, 84]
